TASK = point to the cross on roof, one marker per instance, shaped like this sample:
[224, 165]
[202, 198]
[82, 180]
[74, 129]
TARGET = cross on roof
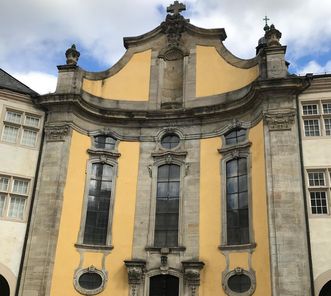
[176, 8]
[266, 19]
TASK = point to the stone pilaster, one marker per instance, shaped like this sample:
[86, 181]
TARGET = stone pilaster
[287, 230]
[42, 239]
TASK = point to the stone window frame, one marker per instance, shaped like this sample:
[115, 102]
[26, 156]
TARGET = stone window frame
[230, 152]
[323, 188]
[103, 156]
[21, 126]
[237, 271]
[320, 115]
[170, 271]
[163, 156]
[79, 272]
[9, 193]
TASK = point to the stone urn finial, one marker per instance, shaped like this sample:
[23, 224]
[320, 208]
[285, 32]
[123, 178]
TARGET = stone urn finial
[72, 55]
[272, 37]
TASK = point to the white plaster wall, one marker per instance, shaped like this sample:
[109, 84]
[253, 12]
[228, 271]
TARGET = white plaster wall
[12, 238]
[320, 234]
[317, 152]
[18, 161]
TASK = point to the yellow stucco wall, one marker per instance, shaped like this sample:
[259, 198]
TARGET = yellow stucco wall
[130, 83]
[67, 258]
[214, 75]
[210, 218]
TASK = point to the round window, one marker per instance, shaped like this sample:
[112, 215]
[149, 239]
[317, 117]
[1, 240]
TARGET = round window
[239, 283]
[90, 280]
[170, 141]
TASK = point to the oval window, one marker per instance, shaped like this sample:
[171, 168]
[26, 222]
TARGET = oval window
[239, 283]
[90, 280]
[170, 141]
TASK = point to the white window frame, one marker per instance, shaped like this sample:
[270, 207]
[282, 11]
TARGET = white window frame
[320, 116]
[9, 194]
[319, 188]
[21, 127]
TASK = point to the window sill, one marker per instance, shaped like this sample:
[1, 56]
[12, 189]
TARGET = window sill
[237, 247]
[169, 250]
[94, 247]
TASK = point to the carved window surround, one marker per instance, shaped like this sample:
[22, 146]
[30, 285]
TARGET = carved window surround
[238, 271]
[229, 152]
[109, 157]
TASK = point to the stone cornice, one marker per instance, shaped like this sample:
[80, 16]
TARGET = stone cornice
[229, 105]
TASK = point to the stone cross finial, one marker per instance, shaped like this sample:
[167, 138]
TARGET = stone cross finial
[266, 27]
[176, 8]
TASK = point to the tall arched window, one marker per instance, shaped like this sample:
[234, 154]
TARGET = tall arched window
[167, 206]
[237, 215]
[98, 204]
[164, 285]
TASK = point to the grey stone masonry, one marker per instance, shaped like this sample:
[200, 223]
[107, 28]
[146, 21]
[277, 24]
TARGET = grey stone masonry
[287, 225]
[40, 253]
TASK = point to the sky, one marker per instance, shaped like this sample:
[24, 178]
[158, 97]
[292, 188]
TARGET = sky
[34, 34]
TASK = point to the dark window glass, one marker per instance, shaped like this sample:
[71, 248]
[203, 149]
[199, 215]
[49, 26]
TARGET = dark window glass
[235, 136]
[326, 290]
[164, 285]
[99, 195]
[170, 141]
[4, 287]
[167, 206]
[90, 281]
[104, 142]
[237, 202]
[239, 283]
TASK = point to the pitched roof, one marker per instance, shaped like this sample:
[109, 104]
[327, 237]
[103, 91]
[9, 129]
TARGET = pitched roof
[9, 82]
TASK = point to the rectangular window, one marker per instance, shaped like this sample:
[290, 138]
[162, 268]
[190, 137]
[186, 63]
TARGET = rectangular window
[316, 179]
[167, 206]
[16, 130]
[2, 204]
[16, 208]
[327, 125]
[312, 127]
[237, 212]
[98, 205]
[13, 117]
[29, 138]
[10, 134]
[310, 109]
[327, 108]
[32, 121]
[13, 196]
[318, 202]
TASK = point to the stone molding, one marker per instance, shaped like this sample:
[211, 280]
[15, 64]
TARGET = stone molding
[279, 120]
[238, 271]
[191, 271]
[136, 274]
[56, 133]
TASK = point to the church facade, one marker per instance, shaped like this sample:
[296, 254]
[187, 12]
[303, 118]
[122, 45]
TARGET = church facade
[179, 171]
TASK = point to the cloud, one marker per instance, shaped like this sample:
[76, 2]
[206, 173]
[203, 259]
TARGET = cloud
[315, 68]
[34, 34]
[42, 83]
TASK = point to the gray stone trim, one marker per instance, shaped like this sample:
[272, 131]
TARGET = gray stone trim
[79, 272]
[191, 270]
[237, 271]
[46, 214]
[279, 120]
[228, 153]
[56, 133]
